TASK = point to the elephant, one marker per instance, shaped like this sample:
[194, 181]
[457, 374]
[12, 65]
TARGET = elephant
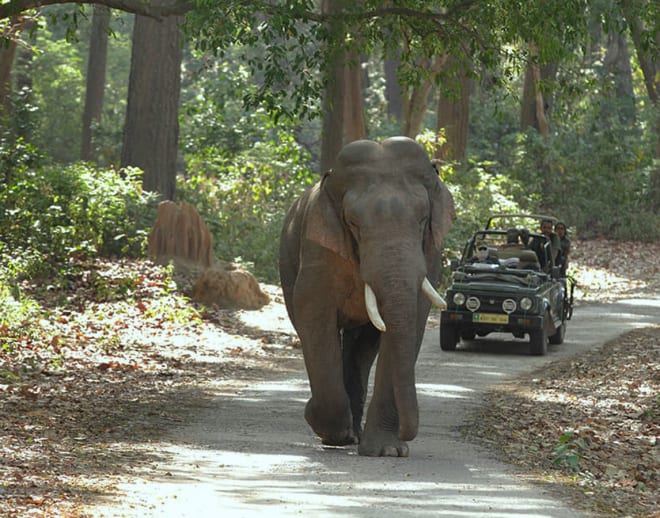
[359, 255]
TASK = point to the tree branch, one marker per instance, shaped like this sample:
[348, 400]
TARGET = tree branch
[174, 7]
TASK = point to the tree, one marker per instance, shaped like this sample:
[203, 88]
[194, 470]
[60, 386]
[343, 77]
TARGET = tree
[151, 9]
[98, 51]
[355, 127]
[642, 18]
[453, 113]
[152, 129]
[7, 54]
[536, 105]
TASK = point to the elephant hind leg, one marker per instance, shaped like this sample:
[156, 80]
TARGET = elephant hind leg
[360, 347]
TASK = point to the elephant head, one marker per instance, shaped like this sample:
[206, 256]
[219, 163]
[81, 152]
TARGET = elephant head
[376, 222]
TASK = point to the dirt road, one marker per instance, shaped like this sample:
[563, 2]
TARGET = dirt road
[249, 452]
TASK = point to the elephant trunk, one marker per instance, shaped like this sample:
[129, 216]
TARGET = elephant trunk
[392, 300]
[399, 344]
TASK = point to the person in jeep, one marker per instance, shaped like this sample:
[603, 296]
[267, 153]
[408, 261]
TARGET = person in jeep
[482, 255]
[555, 245]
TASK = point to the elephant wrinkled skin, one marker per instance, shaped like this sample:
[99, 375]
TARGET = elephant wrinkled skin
[370, 230]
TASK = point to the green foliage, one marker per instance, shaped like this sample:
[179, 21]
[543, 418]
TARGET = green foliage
[568, 451]
[51, 215]
[16, 309]
[478, 192]
[58, 94]
[243, 199]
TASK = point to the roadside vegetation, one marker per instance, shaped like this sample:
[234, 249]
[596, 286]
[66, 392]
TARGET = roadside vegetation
[96, 342]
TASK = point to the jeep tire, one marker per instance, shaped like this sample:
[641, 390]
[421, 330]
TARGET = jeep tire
[538, 342]
[449, 336]
[558, 337]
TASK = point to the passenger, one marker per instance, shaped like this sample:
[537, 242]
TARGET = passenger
[524, 237]
[512, 238]
[565, 247]
[482, 255]
[555, 246]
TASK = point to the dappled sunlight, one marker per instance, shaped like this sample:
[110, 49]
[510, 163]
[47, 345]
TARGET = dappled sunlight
[443, 391]
[202, 482]
[653, 303]
[609, 270]
[592, 283]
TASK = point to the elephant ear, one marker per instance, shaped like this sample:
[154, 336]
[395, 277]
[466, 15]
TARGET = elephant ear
[323, 222]
[443, 213]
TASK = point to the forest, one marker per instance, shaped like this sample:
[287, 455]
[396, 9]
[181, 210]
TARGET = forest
[534, 106]
[108, 108]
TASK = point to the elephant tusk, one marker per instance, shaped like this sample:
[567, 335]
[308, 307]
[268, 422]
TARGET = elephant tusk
[433, 295]
[372, 308]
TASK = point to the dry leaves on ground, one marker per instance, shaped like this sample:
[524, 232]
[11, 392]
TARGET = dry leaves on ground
[591, 423]
[119, 355]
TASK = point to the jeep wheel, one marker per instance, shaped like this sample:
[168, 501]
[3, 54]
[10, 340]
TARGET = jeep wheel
[468, 335]
[448, 337]
[558, 337]
[538, 342]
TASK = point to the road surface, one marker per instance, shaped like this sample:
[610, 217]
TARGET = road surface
[250, 452]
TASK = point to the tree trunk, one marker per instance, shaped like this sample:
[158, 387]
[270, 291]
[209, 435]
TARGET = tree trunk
[453, 114]
[24, 70]
[415, 105]
[151, 130]
[650, 65]
[7, 54]
[355, 127]
[98, 52]
[616, 65]
[332, 136]
[393, 94]
[529, 112]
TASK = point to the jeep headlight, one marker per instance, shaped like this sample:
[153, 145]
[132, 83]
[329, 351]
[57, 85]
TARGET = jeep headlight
[526, 303]
[473, 304]
[509, 306]
[459, 298]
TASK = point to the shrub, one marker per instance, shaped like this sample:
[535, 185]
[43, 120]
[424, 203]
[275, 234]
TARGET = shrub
[51, 215]
[244, 199]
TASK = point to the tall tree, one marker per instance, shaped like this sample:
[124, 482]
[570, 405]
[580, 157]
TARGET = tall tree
[7, 54]
[332, 132]
[393, 93]
[355, 127]
[536, 106]
[618, 72]
[642, 18]
[151, 130]
[453, 112]
[416, 98]
[98, 52]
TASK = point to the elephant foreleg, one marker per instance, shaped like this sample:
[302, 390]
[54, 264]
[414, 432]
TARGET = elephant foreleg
[328, 411]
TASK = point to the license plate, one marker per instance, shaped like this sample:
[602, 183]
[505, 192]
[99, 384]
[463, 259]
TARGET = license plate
[490, 318]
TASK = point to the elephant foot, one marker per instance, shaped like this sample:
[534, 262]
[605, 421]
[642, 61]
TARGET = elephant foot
[382, 444]
[333, 429]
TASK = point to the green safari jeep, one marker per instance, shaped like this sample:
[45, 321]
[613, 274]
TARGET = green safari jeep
[506, 282]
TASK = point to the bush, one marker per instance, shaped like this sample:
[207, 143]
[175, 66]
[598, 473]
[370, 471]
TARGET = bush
[244, 199]
[51, 215]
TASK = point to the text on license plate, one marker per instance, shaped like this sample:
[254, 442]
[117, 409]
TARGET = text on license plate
[490, 318]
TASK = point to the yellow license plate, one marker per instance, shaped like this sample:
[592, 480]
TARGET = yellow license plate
[490, 318]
